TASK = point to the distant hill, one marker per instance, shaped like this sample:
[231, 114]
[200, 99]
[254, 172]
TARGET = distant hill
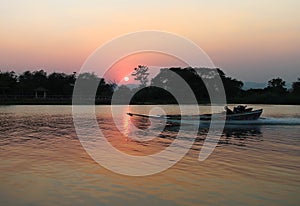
[259, 85]
[131, 86]
[254, 85]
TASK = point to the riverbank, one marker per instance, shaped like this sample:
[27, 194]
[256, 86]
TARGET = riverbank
[289, 101]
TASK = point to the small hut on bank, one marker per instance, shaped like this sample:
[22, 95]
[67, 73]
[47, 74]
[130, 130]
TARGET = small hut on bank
[41, 92]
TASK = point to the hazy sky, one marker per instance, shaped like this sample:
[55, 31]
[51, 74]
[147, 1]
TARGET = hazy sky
[251, 40]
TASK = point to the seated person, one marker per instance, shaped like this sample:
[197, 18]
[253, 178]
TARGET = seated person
[228, 111]
[239, 109]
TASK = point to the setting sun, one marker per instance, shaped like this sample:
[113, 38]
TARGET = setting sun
[126, 79]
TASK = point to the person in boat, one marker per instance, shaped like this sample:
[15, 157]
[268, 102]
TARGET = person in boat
[228, 111]
[239, 109]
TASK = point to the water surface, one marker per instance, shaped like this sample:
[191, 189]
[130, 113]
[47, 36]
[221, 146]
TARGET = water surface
[43, 162]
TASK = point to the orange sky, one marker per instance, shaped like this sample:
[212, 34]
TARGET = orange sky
[153, 60]
[251, 40]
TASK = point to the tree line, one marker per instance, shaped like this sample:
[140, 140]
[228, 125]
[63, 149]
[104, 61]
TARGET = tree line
[158, 90]
[199, 80]
[28, 87]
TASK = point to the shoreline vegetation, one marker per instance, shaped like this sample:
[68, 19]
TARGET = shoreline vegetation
[40, 88]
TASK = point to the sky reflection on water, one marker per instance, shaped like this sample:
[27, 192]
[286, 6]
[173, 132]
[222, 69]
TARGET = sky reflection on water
[43, 162]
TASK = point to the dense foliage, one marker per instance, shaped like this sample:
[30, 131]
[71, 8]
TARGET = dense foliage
[57, 85]
[155, 91]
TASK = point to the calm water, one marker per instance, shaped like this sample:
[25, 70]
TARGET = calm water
[43, 162]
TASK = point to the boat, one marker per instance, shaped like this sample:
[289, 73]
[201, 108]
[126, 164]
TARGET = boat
[239, 113]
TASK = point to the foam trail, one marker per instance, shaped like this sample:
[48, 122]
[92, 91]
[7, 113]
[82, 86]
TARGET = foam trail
[260, 121]
[267, 121]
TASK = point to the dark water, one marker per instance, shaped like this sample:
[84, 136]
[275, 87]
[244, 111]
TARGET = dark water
[43, 162]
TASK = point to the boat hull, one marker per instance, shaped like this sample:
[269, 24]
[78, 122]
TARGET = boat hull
[251, 115]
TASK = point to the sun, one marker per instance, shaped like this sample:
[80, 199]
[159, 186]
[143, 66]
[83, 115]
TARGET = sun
[126, 79]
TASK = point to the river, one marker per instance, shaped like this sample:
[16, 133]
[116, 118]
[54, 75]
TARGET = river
[42, 161]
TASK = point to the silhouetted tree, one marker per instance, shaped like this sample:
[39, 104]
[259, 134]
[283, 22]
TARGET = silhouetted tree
[141, 74]
[233, 87]
[40, 77]
[26, 84]
[168, 79]
[122, 93]
[199, 79]
[89, 80]
[105, 89]
[8, 82]
[276, 85]
[60, 83]
[296, 87]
